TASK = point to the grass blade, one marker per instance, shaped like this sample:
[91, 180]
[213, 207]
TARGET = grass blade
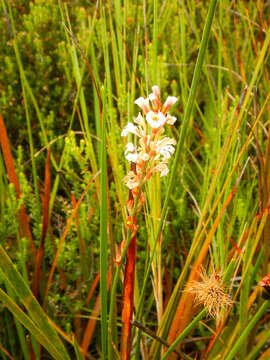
[247, 330]
[103, 237]
[37, 314]
[33, 328]
[184, 333]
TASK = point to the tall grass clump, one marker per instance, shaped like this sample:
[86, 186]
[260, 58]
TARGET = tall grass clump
[134, 180]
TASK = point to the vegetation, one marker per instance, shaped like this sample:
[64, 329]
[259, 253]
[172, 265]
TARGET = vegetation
[69, 225]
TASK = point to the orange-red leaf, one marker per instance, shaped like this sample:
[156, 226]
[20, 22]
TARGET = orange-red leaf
[24, 223]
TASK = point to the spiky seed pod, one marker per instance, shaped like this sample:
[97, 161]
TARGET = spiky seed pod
[210, 292]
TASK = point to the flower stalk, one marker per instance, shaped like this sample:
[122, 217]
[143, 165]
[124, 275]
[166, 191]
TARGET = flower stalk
[149, 154]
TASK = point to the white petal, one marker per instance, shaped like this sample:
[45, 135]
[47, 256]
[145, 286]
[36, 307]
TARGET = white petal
[130, 128]
[164, 171]
[170, 101]
[124, 132]
[165, 153]
[132, 157]
[166, 141]
[170, 119]
[129, 148]
[152, 97]
[165, 147]
[156, 90]
[162, 168]
[139, 101]
[131, 180]
[139, 119]
[155, 120]
[143, 104]
[143, 157]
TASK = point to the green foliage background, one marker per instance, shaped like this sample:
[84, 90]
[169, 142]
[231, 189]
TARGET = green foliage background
[47, 99]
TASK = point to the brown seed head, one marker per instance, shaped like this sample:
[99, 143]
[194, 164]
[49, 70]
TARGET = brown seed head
[211, 293]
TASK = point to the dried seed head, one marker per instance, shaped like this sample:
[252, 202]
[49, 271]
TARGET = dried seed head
[265, 284]
[211, 293]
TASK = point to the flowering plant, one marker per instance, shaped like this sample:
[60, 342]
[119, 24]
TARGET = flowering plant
[148, 155]
[154, 149]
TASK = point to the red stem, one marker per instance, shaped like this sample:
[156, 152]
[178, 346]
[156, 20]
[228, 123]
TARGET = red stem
[128, 299]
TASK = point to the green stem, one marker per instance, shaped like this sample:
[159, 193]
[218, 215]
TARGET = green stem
[103, 238]
[247, 330]
[184, 333]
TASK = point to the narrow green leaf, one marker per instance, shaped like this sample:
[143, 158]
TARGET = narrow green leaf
[37, 314]
[78, 352]
[247, 331]
[33, 328]
[184, 333]
[103, 238]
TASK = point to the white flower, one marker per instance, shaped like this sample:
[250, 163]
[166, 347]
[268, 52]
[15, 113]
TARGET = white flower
[155, 120]
[139, 120]
[143, 156]
[140, 101]
[170, 119]
[129, 148]
[132, 157]
[167, 151]
[130, 128]
[165, 147]
[130, 153]
[170, 101]
[143, 104]
[162, 168]
[132, 180]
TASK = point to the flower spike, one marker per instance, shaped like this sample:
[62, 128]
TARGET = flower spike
[152, 150]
